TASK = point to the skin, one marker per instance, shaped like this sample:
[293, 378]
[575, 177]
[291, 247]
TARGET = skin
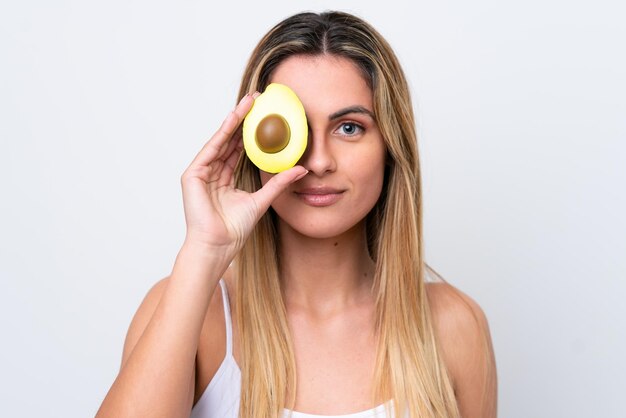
[327, 269]
[177, 336]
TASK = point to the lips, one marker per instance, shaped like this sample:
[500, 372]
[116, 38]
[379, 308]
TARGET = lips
[319, 196]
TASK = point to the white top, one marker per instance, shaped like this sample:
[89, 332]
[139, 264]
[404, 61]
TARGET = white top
[221, 397]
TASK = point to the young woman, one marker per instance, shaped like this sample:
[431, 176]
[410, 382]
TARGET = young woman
[306, 290]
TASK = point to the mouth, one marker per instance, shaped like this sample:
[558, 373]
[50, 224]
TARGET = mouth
[319, 196]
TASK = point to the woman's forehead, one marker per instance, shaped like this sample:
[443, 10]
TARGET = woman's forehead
[324, 83]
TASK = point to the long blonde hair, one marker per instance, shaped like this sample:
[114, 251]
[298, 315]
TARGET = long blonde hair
[409, 367]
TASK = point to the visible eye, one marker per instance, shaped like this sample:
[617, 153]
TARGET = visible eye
[350, 129]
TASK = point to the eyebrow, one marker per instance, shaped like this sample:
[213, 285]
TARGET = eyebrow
[351, 109]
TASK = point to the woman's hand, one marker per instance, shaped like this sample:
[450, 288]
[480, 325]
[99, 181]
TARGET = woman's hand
[218, 216]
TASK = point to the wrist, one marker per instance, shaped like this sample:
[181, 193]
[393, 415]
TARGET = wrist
[201, 260]
[206, 252]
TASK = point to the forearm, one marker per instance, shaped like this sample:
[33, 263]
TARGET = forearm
[156, 378]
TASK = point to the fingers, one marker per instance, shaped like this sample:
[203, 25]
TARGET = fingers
[276, 185]
[218, 145]
[231, 157]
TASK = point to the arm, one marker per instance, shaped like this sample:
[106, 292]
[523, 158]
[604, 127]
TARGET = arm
[463, 333]
[157, 374]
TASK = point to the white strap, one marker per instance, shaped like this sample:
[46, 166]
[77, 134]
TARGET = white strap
[227, 319]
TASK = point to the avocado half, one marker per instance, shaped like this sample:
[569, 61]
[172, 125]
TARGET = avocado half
[275, 131]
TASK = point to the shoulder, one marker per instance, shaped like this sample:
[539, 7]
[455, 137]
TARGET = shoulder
[454, 312]
[213, 319]
[142, 316]
[462, 331]
[460, 325]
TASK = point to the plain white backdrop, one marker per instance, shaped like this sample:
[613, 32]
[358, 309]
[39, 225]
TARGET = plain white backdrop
[521, 111]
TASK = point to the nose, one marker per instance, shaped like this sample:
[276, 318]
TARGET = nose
[318, 156]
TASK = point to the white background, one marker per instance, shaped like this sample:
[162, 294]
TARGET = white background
[522, 118]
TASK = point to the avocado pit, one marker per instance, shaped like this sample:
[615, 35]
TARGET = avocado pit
[272, 134]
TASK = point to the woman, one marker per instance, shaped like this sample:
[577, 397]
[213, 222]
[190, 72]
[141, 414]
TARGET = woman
[331, 312]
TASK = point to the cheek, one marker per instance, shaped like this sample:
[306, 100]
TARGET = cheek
[371, 165]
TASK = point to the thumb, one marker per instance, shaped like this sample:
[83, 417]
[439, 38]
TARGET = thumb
[276, 185]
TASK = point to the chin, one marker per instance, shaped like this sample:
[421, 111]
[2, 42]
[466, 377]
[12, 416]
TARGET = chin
[321, 230]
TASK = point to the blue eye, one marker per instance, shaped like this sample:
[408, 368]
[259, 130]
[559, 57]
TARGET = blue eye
[350, 129]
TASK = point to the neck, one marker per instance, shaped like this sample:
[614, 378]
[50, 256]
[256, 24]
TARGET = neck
[325, 275]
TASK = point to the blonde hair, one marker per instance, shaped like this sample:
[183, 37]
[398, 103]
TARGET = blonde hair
[409, 366]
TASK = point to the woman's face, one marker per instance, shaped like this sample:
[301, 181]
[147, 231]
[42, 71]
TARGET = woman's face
[345, 155]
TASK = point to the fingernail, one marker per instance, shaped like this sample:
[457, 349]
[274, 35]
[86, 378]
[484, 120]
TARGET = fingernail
[243, 98]
[302, 175]
[256, 94]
